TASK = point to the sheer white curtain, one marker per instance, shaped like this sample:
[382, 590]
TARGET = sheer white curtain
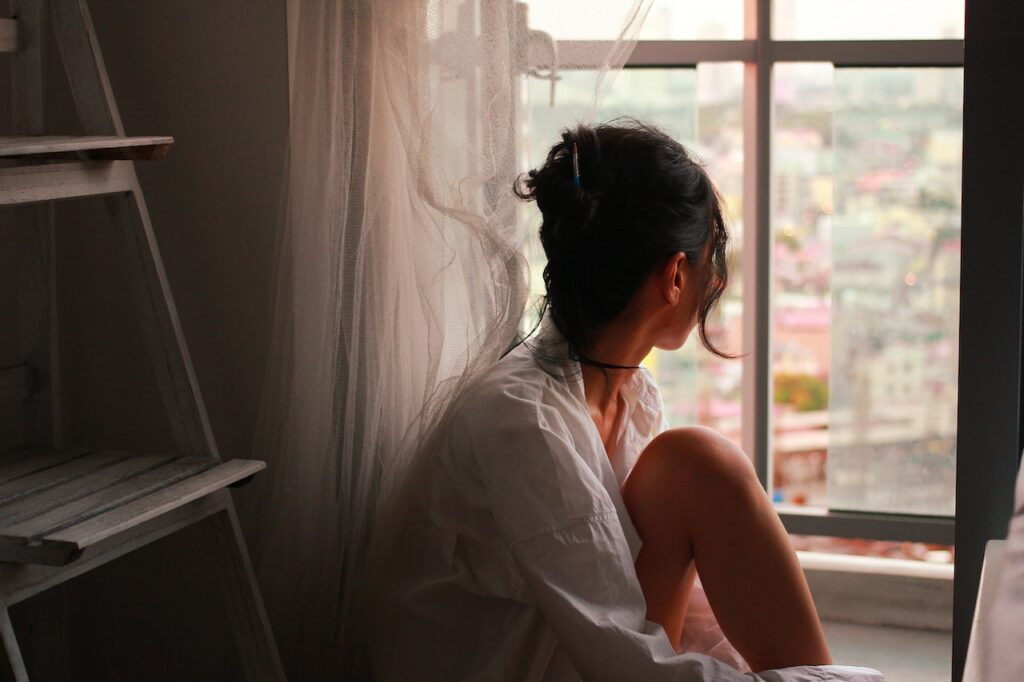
[400, 275]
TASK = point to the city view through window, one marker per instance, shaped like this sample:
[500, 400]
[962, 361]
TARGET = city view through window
[865, 262]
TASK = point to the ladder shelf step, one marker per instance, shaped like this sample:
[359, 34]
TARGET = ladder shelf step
[50, 512]
[69, 180]
[88, 147]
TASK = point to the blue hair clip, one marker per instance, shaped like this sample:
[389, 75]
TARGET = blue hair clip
[575, 165]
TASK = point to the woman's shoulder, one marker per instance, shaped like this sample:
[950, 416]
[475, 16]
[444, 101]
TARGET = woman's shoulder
[521, 434]
[516, 378]
[518, 396]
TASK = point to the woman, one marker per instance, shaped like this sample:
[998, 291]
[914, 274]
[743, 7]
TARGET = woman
[557, 530]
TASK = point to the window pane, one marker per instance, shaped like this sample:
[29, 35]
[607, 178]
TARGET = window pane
[895, 289]
[802, 269]
[702, 109]
[667, 97]
[866, 218]
[666, 20]
[867, 19]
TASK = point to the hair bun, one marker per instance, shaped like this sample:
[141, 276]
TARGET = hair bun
[569, 202]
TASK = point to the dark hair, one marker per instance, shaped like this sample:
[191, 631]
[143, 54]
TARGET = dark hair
[641, 198]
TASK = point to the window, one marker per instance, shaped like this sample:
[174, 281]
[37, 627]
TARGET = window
[835, 139]
[866, 256]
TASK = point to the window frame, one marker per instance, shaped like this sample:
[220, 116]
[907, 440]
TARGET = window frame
[759, 53]
[991, 379]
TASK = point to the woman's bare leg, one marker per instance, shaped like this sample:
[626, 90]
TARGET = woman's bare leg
[696, 502]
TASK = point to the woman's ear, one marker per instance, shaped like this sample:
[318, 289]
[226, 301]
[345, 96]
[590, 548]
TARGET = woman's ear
[674, 277]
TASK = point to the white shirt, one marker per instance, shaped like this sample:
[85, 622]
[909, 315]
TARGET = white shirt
[517, 557]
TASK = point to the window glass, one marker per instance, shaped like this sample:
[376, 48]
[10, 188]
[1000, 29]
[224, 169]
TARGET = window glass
[801, 209]
[867, 19]
[866, 262]
[895, 289]
[666, 20]
[702, 109]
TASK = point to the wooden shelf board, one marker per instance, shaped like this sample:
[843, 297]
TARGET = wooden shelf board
[71, 501]
[85, 148]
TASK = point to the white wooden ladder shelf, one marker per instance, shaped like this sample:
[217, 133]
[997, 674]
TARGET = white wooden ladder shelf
[64, 511]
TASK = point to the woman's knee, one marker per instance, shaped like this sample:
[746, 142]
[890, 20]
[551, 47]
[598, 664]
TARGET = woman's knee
[688, 465]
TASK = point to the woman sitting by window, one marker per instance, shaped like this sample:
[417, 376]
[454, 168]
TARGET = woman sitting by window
[557, 532]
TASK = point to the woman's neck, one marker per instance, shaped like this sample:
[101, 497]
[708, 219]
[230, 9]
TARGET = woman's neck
[618, 343]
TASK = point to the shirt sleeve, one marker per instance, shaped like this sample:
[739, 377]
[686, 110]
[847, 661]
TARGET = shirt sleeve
[567, 542]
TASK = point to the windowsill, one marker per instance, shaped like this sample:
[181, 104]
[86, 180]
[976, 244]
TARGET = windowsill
[820, 561]
[801, 520]
[880, 592]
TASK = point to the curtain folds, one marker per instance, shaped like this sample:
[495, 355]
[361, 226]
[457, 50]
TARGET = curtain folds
[400, 278]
